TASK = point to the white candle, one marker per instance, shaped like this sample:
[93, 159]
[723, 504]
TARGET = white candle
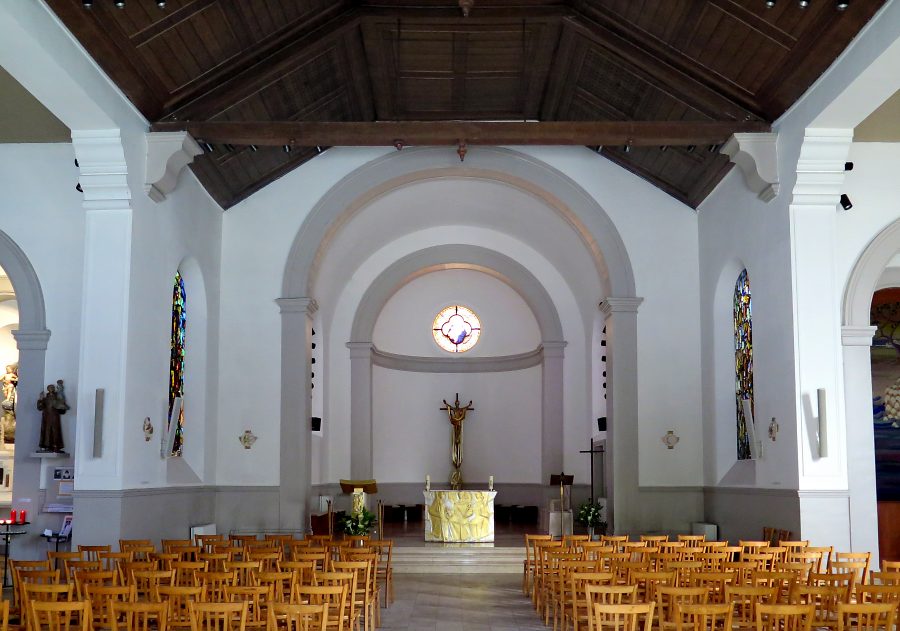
[427, 482]
[491, 483]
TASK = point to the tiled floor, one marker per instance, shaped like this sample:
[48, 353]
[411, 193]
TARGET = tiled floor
[470, 602]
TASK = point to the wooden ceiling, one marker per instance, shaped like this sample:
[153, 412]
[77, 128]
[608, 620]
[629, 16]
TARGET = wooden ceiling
[422, 60]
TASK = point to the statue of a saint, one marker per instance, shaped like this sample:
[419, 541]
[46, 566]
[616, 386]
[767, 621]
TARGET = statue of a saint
[457, 415]
[8, 383]
[53, 405]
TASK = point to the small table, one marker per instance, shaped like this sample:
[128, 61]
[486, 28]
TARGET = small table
[7, 535]
[56, 538]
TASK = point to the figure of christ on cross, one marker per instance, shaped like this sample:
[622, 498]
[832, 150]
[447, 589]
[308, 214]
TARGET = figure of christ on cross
[457, 415]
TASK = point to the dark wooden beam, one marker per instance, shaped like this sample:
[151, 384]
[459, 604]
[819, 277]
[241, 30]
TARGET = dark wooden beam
[354, 134]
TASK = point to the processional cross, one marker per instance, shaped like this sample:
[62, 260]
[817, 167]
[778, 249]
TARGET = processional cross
[457, 415]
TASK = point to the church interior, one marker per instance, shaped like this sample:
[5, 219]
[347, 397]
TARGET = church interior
[552, 254]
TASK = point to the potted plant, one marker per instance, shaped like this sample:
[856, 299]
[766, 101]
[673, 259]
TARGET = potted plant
[590, 514]
[358, 523]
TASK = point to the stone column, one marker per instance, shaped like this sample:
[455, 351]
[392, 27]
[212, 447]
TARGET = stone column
[856, 341]
[295, 457]
[361, 457]
[552, 409]
[622, 412]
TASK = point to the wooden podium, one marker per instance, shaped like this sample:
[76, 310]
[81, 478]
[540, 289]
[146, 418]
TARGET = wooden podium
[360, 490]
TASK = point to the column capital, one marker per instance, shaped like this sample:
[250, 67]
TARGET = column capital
[168, 152]
[612, 304]
[553, 349]
[297, 305]
[360, 349]
[103, 172]
[857, 335]
[32, 340]
[820, 167]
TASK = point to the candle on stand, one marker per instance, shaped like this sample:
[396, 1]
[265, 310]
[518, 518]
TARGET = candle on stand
[427, 482]
[12, 516]
[23, 514]
[490, 483]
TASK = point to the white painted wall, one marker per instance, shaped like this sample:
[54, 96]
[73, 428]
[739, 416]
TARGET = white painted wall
[507, 325]
[502, 437]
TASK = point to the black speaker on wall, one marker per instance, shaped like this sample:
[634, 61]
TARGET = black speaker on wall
[601, 424]
[316, 423]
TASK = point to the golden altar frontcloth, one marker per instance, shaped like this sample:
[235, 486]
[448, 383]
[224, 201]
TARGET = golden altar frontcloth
[459, 516]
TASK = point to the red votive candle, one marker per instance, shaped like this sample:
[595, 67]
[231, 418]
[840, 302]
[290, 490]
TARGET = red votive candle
[23, 514]
[12, 516]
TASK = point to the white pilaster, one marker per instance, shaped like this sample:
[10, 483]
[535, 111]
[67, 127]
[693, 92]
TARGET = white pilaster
[622, 412]
[361, 438]
[167, 154]
[296, 410]
[105, 303]
[552, 408]
[757, 157]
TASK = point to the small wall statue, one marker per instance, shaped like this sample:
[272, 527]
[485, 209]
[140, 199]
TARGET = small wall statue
[8, 423]
[53, 405]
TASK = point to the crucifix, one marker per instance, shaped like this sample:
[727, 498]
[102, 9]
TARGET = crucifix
[456, 414]
[593, 450]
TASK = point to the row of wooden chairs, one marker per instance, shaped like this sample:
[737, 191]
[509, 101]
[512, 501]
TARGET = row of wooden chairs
[134, 616]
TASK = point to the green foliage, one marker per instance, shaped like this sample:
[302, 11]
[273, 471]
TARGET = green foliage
[358, 523]
[590, 514]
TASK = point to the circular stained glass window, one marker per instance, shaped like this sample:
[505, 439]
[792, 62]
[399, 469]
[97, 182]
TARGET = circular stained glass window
[456, 329]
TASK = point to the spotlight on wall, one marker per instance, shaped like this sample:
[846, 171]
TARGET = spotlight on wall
[690, 148]
[286, 148]
[318, 149]
[770, 4]
[208, 148]
[841, 5]
[120, 4]
[712, 148]
[254, 148]
[78, 187]
[848, 166]
[87, 4]
[161, 4]
[626, 148]
[664, 148]
[803, 4]
[846, 204]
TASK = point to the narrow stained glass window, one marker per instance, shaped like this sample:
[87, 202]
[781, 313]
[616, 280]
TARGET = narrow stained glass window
[456, 329]
[176, 361]
[743, 360]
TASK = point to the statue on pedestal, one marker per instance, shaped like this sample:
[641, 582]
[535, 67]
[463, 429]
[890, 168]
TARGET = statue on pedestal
[53, 405]
[8, 424]
[457, 415]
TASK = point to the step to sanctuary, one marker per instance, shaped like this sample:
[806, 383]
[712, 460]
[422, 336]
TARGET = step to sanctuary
[457, 559]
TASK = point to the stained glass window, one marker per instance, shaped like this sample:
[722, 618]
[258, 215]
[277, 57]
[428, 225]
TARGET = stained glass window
[456, 329]
[176, 360]
[743, 360]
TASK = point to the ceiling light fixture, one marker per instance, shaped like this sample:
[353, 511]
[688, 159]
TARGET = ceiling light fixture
[712, 148]
[770, 4]
[841, 5]
[318, 149]
[690, 148]
[846, 204]
[120, 4]
[254, 148]
[286, 148]
[87, 4]
[803, 4]
[664, 147]
[161, 4]
[627, 148]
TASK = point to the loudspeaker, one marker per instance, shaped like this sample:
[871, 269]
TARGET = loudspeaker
[316, 423]
[601, 424]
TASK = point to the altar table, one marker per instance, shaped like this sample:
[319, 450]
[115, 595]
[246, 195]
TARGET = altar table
[459, 516]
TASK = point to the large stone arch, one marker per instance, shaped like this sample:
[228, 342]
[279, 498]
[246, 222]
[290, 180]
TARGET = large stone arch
[561, 195]
[31, 338]
[363, 353]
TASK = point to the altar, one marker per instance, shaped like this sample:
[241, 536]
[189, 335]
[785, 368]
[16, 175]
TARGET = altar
[459, 516]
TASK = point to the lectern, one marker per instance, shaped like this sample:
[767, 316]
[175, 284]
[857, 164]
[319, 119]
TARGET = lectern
[359, 489]
[560, 522]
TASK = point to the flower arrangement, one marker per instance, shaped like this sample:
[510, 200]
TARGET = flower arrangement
[590, 514]
[358, 523]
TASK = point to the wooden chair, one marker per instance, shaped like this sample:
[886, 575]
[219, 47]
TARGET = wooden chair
[140, 616]
[840, 558]
[784, 617]
[58, 559]
[26, 566]
[187, 553]
[148, 582]
[185, 572]
[42, 592]
[884, 578]
[246, 571]
[139, 552]
[744, 601]
[866, 617]
[92, 553]
[710, 617]
[242, 540]
[60, 616]
[4, 615]
[712, 561]
[102, 598]
[83, 579]
[733, 552]
[207, 541]
[179, 599]
[606, 595]
[333, 596]
[72, 566]
[291, 617]
[781, 581]
[303, 571]
[684, 569]
[350, 616]
[762, 561]
[878, 594]
[126, 569]
[385, 574]
[280, 583]
[168, 544]
[112, 561]
[623, 617]
[365, 599]
[165, 559]
[824, 599]
[214, 584]
[647, 582]
[269, 559]
[799, 570]
[654, 539]
[218, 616]
[131, 543]
[844, 580]
[529, 563]
[215, 561]
[692, 541]
[668, 597]
[257, 598]
[859, 569]
[715, 583]
[580, 609]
